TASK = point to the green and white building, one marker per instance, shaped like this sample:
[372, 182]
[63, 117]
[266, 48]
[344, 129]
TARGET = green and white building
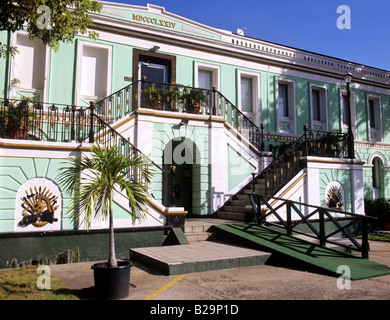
[255, 95]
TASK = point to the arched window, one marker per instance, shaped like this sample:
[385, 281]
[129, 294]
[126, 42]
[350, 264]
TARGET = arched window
[376, 177]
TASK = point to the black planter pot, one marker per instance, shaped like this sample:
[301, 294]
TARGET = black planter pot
[112, 283]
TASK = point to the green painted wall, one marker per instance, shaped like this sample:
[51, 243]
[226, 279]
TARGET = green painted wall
[367, 154]
[344, 177]
[14, 172]
[4, 68]
[91, 246]
[62, 74]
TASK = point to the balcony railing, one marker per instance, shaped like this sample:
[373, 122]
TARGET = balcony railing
[176, 98]
[28, 120]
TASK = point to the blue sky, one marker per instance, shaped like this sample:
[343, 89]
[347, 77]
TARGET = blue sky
[304, 24]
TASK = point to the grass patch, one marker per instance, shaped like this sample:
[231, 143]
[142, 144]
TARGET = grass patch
[378, 237]
[21, 284]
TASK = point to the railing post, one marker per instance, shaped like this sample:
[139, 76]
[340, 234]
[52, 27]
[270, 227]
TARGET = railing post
[214, 102]
[262, 136]
[365, 245]
[72, 132]
[288, 218]
[253, 182]
[322, 227]
[173, 196]
[91, 132]
[305, 128]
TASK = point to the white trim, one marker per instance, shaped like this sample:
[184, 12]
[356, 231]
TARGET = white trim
[377, 154]
[292, 119]
[13, 89]
[378, 118]
[80, 51]
[324, 123]
[256, 93]
[216, 73]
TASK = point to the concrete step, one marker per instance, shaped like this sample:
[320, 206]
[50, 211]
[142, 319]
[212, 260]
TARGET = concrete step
[195, 237]
[236, 216]
[195, 228]
[197, 257]
[241, 196]
[241, 203]
[234, 208]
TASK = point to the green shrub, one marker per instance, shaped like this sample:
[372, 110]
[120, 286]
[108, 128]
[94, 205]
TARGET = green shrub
[378, 208]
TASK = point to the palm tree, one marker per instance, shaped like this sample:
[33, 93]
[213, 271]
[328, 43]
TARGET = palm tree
[92, 181]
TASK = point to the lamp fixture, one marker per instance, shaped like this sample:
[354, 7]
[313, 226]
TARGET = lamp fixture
[154, 49]
[348, 77]
[183, 122]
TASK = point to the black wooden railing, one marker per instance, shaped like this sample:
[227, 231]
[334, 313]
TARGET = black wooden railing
[290, 214]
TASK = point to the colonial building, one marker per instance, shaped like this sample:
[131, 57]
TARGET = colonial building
[216, 105]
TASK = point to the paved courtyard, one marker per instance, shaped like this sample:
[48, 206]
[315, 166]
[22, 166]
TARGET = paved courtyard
[276, 280]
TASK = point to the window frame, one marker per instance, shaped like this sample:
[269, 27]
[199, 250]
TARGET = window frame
[256, 96]
[378, 118]
[80, 52]
[322, 124]
[216, 74]
[14, 88]
[292, 119]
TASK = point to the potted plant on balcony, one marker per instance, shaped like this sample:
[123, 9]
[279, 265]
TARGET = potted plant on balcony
[92, 181]
[152, 97]
[192, 99]
[15, 118]
[172, 96]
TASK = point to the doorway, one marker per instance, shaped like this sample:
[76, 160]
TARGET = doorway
[157, 67]
[181, 153]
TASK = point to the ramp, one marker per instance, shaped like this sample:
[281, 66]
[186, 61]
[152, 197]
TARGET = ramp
[327, 259]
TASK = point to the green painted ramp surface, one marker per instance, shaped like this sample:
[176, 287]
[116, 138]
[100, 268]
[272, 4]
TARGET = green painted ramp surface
[321, 257]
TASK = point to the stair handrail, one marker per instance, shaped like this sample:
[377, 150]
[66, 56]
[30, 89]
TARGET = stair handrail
[133, 151]
[106, 141]
[107, 136]
[290, 157]
[263, 209]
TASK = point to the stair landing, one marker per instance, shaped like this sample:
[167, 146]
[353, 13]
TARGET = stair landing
[198, 255]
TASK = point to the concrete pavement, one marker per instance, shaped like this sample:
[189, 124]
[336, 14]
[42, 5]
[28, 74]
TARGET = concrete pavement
[275, 280]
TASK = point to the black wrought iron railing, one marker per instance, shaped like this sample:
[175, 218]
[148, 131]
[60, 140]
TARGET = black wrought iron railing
[333, 144]
[289, 215]
[287, 161]
[177, 98]
[29, 120]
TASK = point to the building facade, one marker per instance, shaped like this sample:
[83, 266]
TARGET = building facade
[255, 97]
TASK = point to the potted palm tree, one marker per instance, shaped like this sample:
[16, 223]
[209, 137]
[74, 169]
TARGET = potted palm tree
[92, 181]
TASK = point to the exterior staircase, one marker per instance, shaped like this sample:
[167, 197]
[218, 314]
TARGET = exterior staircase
[270, 181]
[285, 166]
